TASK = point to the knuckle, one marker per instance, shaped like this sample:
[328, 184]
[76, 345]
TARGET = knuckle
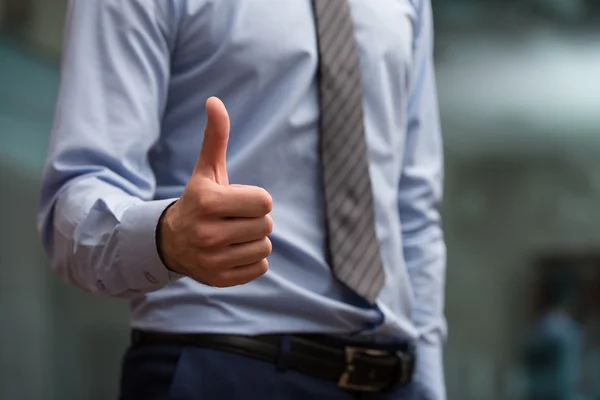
[206, 237]
[266, 248]
[262, 267]
[209, 202]
[265, 201]
[268, 225]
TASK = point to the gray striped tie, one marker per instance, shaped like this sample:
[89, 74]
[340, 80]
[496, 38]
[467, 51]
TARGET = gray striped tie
[353, 246]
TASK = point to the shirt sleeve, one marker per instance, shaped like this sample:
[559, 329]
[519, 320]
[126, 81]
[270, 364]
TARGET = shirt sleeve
[420, 194]
[97, 217]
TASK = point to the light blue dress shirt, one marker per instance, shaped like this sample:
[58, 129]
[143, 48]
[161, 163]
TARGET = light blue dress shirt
[128, 130]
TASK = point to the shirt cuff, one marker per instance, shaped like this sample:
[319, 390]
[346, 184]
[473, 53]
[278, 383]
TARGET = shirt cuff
[137, 252]
[429, 379]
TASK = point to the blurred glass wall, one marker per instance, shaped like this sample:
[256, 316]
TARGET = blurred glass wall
[56, 343]
[519, 85]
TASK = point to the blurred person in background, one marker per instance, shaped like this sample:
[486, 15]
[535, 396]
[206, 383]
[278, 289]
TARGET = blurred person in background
[333, 171]
[554, 348]
[591, 327]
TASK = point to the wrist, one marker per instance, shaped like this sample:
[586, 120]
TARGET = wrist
[164, 232]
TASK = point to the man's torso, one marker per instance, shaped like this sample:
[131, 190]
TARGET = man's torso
[260, 58]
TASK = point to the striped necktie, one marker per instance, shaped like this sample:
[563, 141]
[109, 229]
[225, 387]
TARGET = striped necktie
[353, 246]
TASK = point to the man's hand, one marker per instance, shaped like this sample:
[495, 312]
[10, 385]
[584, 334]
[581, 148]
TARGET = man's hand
[216, 233]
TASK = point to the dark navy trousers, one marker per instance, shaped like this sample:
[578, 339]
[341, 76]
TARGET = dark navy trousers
[173, 372]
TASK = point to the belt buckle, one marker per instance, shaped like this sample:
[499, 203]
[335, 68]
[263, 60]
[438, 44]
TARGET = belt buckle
[406, 366]
[345, 381]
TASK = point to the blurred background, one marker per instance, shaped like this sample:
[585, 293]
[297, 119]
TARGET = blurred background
[519, 85]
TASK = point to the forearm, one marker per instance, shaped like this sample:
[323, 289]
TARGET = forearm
[425, 253]
[97, 218]
[419, 199]
[426, 264]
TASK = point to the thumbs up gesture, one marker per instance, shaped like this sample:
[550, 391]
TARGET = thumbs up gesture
[216, 233]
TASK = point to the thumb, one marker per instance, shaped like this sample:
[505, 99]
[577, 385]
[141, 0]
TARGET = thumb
[212, 160]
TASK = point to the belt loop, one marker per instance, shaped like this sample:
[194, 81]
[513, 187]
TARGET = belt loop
[285, 346]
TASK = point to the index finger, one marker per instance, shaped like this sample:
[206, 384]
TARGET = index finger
[239, 201]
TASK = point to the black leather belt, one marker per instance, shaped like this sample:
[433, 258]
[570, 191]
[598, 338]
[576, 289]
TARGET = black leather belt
[354, 368]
